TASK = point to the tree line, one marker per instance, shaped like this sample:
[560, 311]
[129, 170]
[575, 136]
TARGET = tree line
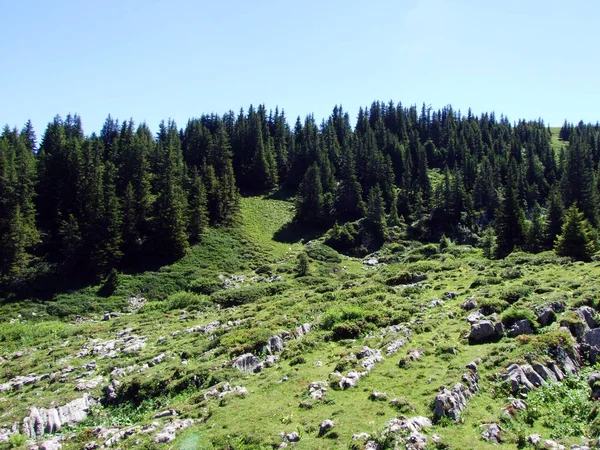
[79, 205]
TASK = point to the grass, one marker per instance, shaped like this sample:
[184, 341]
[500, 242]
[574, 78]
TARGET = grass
[339, 295]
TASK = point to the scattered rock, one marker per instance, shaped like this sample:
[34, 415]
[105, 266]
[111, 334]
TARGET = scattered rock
[86, 385]
[326, 425]
[413, 355]
[450, 295]
[492, 433]
[167, 413]
[534, 439]
[52, 444]
[47, 421]
[451, 403]
[317, 389]
[382, 396]
[394, 346]
[485, 331]
[169, 431]
[222, 390]
[587, 315]
[546, 316]
[303, 330]
[552, 445]
[292, 437]
[157, 360]
[136, 303]
[371, 262]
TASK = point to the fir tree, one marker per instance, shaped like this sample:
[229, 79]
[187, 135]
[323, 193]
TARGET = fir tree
[575, 239]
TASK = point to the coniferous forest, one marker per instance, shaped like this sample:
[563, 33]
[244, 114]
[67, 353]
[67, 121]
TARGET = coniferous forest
[76, 206]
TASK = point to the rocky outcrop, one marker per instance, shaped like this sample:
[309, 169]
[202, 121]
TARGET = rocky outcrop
[394, 346]
[485, 331]
[274, 345]
[223, 390]
[451, 403]
[50, 420]
[19, 381]
[246, 363]
[170, 430]
[526, 377]
[469, 304]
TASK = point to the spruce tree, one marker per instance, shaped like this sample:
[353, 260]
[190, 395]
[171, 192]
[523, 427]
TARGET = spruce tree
[309, 203]
[510, 220]
[575, 239]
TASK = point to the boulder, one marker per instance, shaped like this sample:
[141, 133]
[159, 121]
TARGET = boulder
[303, 329]
[52, 444]
[469, 304]
[451, 403]
[587, 315]
[546, 316]
[485, 331]
[246, 363]
[475, 317]
[326, 425]
[592, 337]
[545, 372]
[594, 382]
[491, 433]
[274, 345]
[532, 375]
[450, 295]
[292, 437]
[520, 327]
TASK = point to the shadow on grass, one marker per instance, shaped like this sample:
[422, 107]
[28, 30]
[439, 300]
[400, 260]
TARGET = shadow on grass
[293, 232]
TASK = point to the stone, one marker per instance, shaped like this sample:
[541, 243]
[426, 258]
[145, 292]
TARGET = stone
[475, 317]
[47, 421]
[436, 303]
[485, 331]
[167, 413]
[552, 445]
[491, 433]
[383, 396]
[371, 262]
[544, 372]
[534, 439]
[520, 327]
[303, 330]
[394, 346]
[592, 337]
[106, 317]
[246, 363]
[587, 315]
[157, 360]
[594, 383]
[365, 436]
[292, 437]
[274, 345]
[546, 316]
[532, 375]
[326, 425]
[86, 385]
[469, 304]
[450, 295]
[52, 444]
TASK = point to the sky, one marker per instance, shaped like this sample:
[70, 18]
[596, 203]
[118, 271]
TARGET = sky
[151, 60]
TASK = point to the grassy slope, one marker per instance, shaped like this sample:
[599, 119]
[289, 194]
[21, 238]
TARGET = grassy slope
[272, 406]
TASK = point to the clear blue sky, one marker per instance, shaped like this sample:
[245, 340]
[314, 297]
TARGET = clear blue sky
[153, 60]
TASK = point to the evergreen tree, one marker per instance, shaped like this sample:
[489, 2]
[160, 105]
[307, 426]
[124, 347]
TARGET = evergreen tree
[510, 220]
[375, 216]
[554, 220]
[536, 233]
[197, 208]
[575, 239]
[309, 204]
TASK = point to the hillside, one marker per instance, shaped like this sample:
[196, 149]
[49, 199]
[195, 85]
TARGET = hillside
[230, 347]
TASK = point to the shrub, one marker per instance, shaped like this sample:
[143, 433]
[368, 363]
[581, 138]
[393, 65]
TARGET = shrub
[493, 305]
[17, 440]
[205, 286]
[346, 330]
[247, 294]
[186, 300]
[402, 277]
[512, 294]
[321, 252]
[511, 315]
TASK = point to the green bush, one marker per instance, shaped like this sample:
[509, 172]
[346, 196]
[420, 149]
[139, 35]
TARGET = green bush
[346, 330]
[511, 315]
[247, 294]
[186, 300]
[492, 305]
[16, 440]
[205, 286]
[512, 294]
[321, 252]
[402, 277]
[110, 285]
